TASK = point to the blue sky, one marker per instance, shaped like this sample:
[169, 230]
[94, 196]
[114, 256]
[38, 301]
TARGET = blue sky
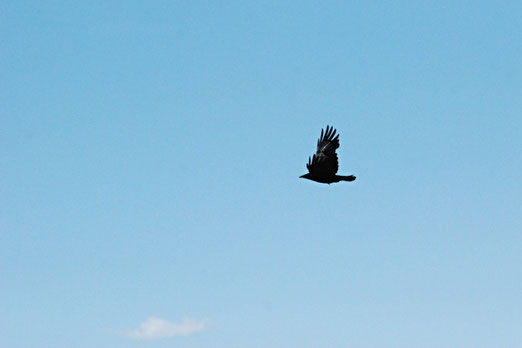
[150, 159]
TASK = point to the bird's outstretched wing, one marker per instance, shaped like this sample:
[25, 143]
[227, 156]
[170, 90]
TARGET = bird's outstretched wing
[325, 161]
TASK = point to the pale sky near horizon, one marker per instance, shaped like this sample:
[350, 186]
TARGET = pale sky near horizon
[150, 155]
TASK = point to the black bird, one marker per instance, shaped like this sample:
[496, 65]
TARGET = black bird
[323, 166]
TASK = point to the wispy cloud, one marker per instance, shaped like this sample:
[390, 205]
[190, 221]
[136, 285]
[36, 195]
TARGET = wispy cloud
[153, 328]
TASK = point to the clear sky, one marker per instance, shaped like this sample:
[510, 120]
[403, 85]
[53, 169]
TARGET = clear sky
[150, 155]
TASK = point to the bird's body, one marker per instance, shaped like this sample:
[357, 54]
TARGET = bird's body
[323, 166]
[328, 179]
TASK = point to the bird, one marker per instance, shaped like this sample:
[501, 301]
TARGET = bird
[323, 166]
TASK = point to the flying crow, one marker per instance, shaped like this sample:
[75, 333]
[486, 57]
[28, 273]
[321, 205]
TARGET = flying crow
[323, 166]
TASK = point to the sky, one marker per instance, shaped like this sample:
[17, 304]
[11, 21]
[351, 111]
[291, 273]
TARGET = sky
[150, 155]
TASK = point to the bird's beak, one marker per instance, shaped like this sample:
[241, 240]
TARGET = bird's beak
[302, 176]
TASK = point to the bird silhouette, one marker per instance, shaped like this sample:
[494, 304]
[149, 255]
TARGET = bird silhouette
[323, 166]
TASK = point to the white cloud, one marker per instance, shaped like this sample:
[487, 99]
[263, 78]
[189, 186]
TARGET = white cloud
[153, 328]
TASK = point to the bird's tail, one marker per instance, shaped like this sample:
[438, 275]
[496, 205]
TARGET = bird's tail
[347, 178]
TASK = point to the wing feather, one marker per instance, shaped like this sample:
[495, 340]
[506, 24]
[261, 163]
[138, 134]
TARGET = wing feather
[325, 161]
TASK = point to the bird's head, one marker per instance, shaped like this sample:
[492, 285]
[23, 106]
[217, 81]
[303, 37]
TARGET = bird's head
[306, 176]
